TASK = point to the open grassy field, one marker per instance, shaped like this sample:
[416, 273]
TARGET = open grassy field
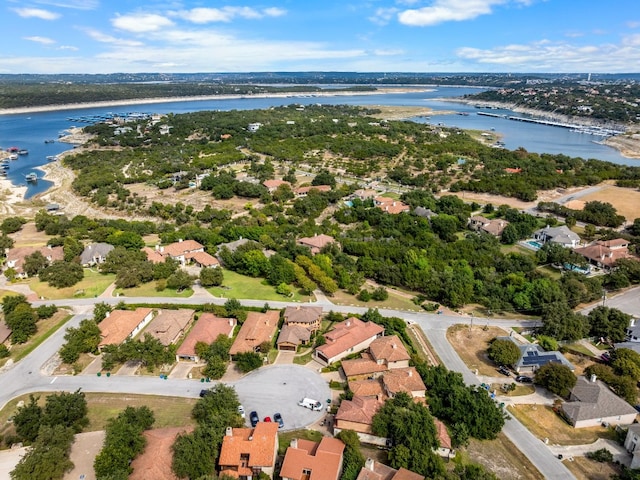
[149, 290]
[625, 200]
[502, 458]
[394, 302]
[471, 345]
[543, 422]
[28, 236]
[241, 286]
[92, 285]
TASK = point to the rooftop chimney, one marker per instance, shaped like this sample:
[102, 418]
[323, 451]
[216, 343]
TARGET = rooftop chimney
[593, 378]
[294, 443]
[369, 464]
[228, 432]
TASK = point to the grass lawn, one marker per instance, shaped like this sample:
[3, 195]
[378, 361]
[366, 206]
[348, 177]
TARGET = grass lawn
[394, 302]
[241, 286]
[543, 422]
[520, 390]
[554, 273]
[46, 328]
[304, 358]
[585, 469]
[284, 438]
[92, 285]
[168, 411]
[7, 293]
[149, 290]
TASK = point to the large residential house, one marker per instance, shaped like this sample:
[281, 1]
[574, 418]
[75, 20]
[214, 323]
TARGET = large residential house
[632, 445]
[592, 403]
[316, 243]
[206, 329]
[374, 470]
[307, 317]
[307, 460]
[561, 235]
[184, 251]
[120, 325]
[245, 453]
[350, 336]
[169, 325]
[357, 415]
[605, 253]
[256, 329]
[403, 380]
[291, 336]
[273, 185]
[155, 461]
[533, 356]
[16, 256]
[492, 227]
[384, 353]
[304, 191]
[390, 205]
[95, 254]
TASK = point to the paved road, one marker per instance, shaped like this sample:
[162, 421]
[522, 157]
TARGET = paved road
[26, 377]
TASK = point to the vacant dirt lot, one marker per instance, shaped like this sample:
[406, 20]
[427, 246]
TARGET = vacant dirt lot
[471, 345]
[503, 458]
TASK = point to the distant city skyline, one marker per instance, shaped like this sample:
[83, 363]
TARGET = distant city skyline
[108, 36]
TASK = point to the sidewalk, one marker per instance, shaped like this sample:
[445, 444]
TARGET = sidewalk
[568, 451]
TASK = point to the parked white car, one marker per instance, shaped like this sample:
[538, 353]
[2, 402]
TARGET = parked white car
[311, 404]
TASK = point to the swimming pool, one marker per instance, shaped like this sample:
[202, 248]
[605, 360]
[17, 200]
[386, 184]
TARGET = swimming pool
[533, 244]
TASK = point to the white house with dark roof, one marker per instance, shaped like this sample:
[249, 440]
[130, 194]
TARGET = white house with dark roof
[532, 357]
[95, 254]
[592, 403]
[561, 235]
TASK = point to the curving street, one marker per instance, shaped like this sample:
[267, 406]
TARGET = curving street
[271, 388]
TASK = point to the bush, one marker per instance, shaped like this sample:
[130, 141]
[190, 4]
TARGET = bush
[4, 351]
[46, 311]
[380, 294]
[364, 295]
[602, 455]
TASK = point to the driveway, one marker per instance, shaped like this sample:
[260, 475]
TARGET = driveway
[278, 388]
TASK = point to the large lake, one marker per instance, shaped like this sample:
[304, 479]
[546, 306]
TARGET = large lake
[29, 131]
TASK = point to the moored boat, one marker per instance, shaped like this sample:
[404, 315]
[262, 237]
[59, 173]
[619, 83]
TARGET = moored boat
[52, 158]
[31, 177]
[23, 151]
[50, 140]
[13, 156]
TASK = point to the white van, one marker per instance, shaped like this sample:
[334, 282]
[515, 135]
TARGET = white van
[311, 404]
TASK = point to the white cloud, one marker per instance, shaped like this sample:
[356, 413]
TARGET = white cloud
[141, 22]
[226, 14]
[74, 4]
[547, 56]
[98, 36]
[388, 52]
[71, 48]
[383, 16]
[42, 40]
[36, 13]
[633, 24]
[446, 11]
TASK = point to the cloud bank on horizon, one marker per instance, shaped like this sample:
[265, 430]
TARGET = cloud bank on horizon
[107, 36]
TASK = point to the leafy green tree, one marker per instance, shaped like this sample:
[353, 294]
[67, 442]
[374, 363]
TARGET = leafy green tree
[324, 177]
[547, 343]
[12, 225]
[503, 351]
[562, 323]
[22, 322]
[353, 460]
[10, 302]
[46, 311]
[34, 263]
[4, 351]
[68, 409]
[179, 281]
[27, 420]
[61, 274]
[608, 323]
[100, 311]
[194, 454]
[129, 240]
[5, 244]
[379, 294]
[72, 248]
[473, 471]
[211, 277]
[248, 361]
[165, 269]
[233, 307]
[48, 459]
[626, 362]
[84, 339]
[556, 378]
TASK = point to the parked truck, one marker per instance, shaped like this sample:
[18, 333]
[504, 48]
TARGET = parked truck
[311, 404]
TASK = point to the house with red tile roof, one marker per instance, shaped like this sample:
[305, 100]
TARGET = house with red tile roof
[291, 336]
[370, 387]
[256, 329]
[304, 191]
[16, 256]
[363, 367]
[357, 415]
[445, 448]
[374, 470]
[273, 185]
[169, 325]
[384, 353]
[155, 461]
[403, 380]
[207, 328]
[493, 227]
[184, 251]
[122, 324]
[605, 253]
[307, 460]
[316, 243]
[247, 452]
[347, 337]
[390, 205]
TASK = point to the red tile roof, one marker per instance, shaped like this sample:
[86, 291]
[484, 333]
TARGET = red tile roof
[154, 463]
[120, 324]
[152, 255]
[258, 443]
[257, 328]
[358, 410]
[15, 256]
[168, 325]
[443, 435]
[274, 184]
[206, 329]
[348, 334]
[180, 248]
[403, 380]
[300, 314]
[362, 366]
[317, 242]
[323, 459]
[389, 349]
[203, 258]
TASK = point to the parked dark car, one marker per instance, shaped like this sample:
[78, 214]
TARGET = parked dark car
[203, 393]
[278, 418]
[524, 379]
[254, 418]
[504, 370]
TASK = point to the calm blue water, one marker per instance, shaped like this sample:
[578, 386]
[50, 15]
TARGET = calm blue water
[29, 131]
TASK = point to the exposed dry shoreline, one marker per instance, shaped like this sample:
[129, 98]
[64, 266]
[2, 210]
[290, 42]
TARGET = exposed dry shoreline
[145, 101]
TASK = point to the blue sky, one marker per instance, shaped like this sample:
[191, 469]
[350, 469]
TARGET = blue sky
[106, 36]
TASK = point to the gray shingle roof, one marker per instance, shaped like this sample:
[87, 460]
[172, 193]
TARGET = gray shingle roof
[591, 400]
